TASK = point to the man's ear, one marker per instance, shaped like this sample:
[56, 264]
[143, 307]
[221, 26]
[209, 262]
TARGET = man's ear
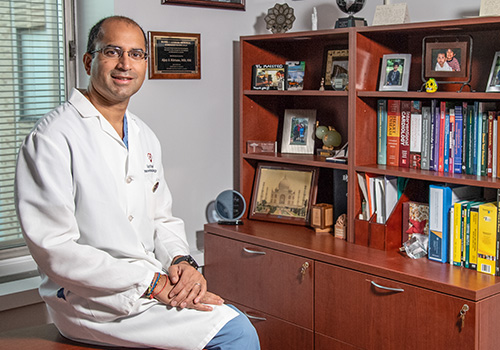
[87, 62]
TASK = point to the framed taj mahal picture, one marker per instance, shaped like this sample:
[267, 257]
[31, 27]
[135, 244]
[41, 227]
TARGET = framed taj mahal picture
[283, 193]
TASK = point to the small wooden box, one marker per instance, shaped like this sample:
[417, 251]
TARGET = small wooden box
[322, 216]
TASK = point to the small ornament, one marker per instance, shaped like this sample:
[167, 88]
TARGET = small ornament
[322, 86]
[314, 19]
[431, 85]
[279, 18]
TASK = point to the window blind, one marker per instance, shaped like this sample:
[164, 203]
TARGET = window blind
[32, 82]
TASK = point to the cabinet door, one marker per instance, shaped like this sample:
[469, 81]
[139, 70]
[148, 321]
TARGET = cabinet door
[267, 280]
[351, 308]
[275, 334]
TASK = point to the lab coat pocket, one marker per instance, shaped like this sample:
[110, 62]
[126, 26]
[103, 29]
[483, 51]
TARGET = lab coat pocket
[85, 308]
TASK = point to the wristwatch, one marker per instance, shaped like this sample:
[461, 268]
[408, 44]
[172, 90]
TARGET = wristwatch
[187, 258]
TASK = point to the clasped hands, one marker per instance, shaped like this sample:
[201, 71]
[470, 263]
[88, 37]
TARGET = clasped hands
[185, 287]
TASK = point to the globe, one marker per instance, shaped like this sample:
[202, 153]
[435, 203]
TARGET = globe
[332, 138]
[320, 131]
[350, 6]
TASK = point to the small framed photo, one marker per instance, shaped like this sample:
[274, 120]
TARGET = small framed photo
[395, 72]
[335, 68]
[298, 131]
[446, 59]
[494, 80]
[269, 76]
[284, 193]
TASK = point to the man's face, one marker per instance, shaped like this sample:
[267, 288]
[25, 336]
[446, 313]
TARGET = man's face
[116, 80]
[441, 59]
[396, 66]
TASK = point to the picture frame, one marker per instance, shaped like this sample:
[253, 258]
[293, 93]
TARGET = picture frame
[435, 50]
[494, 79]
[298, 131]
[174, 55]
[395, 72]
[284, 193]
[269, 76]
[335, 63]
[221, 4]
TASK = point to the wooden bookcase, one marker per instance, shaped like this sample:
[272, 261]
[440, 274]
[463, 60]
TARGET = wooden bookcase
[346, 311]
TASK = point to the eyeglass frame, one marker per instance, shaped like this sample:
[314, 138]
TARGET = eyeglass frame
[121, 51]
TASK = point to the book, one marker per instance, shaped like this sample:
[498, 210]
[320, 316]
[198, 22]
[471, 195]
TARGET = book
[442, 132]
[487, 238]
[464, 134]
[426, 139]
[470, 221]
[295, 75]
[458, 232]
[434, 142]
[393, 131]
[416, 134]
[451, 148]
[404, 143]
[446, 144]
[415, 219]
[469, 141]
[483, 152]
[457, 158]
[441, 198]
[382, 132]
[473, 235]
[489, 163]
[494, 172]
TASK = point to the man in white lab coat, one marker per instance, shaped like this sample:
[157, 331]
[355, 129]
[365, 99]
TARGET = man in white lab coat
[96, 215]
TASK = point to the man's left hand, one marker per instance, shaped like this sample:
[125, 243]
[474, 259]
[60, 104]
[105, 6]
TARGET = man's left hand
[190, 285]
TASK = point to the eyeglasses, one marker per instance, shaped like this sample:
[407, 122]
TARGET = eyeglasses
[117, 52]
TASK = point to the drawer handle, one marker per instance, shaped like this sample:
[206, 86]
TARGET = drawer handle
[387, 288]
[255, 317]
[254, 251]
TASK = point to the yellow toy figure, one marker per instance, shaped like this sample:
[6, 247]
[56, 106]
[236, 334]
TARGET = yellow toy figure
[431, 85]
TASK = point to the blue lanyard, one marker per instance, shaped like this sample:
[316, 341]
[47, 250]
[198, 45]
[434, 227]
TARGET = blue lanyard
[125, 131]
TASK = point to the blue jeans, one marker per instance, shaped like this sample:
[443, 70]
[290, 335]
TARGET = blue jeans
[237, 334]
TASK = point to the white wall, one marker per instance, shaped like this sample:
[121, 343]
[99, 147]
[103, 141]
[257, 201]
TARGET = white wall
[194, 118]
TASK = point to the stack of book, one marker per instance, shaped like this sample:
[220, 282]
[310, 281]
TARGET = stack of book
[449, 137]
[464, 227]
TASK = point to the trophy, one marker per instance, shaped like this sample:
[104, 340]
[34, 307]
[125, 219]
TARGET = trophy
[350, 7]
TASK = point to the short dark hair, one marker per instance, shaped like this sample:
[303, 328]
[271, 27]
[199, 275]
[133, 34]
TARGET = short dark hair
[95, 33]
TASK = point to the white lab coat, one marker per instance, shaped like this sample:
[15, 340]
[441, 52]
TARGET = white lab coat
[98, 221]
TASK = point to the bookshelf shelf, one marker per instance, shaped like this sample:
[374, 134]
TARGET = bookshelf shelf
[338, 279]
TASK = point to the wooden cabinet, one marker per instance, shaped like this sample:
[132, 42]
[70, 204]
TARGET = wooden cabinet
[334, 301]
[351, 297]
[388, 312]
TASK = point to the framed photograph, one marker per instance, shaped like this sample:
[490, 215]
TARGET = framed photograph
[446, 59]
[174, 56]
[298, 131]
[335, 68]
[224, 4]
[269, 76]
[283, 193]
[395, 72]
[494, 80]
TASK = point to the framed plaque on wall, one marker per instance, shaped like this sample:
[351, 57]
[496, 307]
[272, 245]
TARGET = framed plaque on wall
[174, 56]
